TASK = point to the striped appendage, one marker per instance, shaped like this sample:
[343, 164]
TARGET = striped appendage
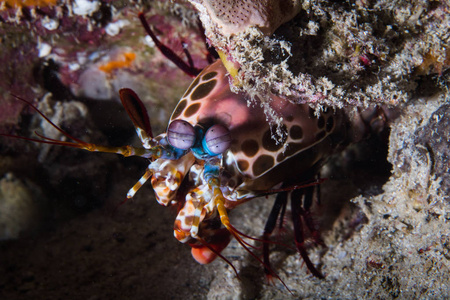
[249, 161]
[258, 158]
[168, 176]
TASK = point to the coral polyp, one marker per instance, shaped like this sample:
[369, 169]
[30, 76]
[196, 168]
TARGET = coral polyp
[235, 16]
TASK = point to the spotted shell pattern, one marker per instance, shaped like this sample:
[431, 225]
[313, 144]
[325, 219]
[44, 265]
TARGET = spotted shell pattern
[254, 163]
[254, 151]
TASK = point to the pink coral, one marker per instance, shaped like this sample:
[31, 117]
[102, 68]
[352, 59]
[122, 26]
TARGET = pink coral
[235, 16]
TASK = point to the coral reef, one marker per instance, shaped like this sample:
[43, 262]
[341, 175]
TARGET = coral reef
[74, 49]
[338, 53]
[379, 220]
[227, 17]
[375, 243]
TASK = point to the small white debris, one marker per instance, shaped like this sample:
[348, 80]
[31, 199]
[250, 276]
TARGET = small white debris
[94, 56]
[113, 29]
[44, 49]
[149, 42]
[85, 7]
[73, 66]
[81, 58]
[50, 24]
[313, 28]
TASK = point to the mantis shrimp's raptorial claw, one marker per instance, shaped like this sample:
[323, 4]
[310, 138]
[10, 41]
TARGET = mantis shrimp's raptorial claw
[219, 152]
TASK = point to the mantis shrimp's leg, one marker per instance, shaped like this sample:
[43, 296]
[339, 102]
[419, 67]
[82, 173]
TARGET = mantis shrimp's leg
[197, 215]
[277, 212]
[298, 213]
[148, 173]
[307, 216]
[301, 215]
[219, 202]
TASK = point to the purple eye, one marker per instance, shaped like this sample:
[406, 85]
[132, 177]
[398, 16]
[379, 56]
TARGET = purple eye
[217, 139]
[181, 134]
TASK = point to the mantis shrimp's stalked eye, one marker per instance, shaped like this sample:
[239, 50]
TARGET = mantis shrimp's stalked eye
[204, 171]
[217, 140]
[181, 134]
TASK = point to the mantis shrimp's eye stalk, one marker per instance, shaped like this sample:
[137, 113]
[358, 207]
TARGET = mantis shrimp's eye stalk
[217, 140]
[181, 135]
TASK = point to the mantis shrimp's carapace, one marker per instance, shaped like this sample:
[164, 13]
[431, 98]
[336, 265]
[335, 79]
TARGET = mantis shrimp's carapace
[219, 152]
